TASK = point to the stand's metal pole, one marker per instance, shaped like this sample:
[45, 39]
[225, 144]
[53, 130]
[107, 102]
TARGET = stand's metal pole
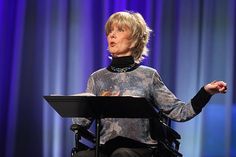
[98, 122]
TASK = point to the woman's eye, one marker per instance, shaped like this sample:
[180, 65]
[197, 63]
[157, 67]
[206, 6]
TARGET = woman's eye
[121, 30]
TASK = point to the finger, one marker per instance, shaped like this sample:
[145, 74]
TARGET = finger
[222, 83]
[223, 90]
[213, 82]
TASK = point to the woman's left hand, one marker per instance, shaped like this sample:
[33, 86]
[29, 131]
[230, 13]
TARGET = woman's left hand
[216, 87]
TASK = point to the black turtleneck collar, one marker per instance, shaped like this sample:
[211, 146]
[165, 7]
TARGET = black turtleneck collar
[122, 64]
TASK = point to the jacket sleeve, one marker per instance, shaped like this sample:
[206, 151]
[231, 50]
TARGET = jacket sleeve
[170, 105]
[200, 100]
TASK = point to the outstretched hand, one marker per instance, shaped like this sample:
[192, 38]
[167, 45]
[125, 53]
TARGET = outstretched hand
[216, 87]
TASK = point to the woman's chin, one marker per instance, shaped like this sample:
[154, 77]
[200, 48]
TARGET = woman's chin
[114, 55]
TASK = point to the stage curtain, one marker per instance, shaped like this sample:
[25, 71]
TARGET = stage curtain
[52, 46]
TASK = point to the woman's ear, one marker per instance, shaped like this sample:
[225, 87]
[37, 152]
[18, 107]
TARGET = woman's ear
[132, 44]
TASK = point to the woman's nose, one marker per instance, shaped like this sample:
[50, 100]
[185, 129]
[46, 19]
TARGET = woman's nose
[113, 34]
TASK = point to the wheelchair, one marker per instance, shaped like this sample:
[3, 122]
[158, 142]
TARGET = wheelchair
[167, 138]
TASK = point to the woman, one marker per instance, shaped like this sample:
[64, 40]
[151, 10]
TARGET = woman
[127, 36]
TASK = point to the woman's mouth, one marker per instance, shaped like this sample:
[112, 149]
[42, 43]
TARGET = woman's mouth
[112, 44]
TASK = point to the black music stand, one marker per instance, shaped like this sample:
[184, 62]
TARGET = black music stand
[101, 107]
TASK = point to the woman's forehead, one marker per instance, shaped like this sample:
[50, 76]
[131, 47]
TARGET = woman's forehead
[120, 25]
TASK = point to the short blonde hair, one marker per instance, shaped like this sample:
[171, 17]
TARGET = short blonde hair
[140, 31]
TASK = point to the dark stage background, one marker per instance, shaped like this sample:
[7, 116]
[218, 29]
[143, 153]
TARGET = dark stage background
[52, 46]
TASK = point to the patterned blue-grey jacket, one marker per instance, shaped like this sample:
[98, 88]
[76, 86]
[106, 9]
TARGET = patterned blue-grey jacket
[144, 82]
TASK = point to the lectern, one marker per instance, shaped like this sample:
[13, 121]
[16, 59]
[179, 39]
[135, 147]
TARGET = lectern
[98, 107]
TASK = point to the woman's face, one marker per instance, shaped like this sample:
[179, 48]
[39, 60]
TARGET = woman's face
[119, 41]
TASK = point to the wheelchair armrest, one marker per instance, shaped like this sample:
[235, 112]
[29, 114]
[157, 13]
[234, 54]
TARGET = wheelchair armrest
[171, 133]
[79, 132]
[83, 132]
[171, 136]
[164, 134]
[164, 150]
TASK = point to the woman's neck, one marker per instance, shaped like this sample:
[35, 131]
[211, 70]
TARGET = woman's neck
[122, 64]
